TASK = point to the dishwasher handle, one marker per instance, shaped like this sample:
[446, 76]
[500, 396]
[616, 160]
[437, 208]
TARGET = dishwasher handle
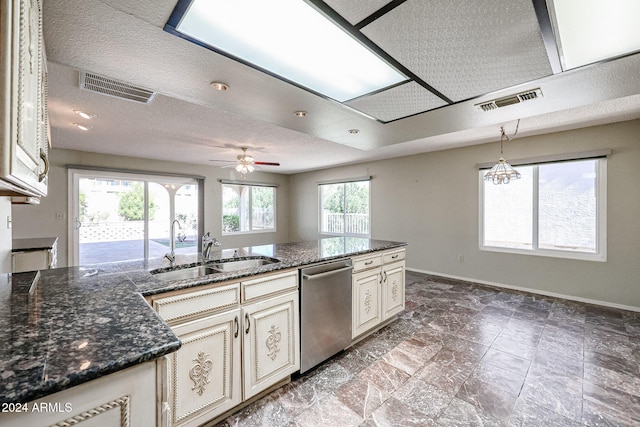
[325, 274]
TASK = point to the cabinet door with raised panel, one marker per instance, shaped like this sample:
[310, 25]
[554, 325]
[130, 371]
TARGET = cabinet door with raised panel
[366, 301]
[271, 342]
[392, 289]
[204, 374]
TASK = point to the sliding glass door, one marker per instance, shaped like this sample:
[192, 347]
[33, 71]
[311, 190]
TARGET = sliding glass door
[118, 216]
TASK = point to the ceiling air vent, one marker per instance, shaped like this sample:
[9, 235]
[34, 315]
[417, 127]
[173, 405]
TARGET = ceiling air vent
[510, 100]
[115, 88]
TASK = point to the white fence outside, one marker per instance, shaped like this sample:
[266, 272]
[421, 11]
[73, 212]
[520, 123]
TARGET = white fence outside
[345, 223]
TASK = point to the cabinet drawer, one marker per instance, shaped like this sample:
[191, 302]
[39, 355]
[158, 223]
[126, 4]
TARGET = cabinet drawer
[269, 285]
[398, 255]
[366, 261]
[197, 303]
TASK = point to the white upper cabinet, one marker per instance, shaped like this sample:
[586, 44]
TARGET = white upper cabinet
[24, 126]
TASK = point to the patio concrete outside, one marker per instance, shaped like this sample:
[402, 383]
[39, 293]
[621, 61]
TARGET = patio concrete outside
[125, 250]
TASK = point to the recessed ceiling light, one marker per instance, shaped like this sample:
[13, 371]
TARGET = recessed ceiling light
[300, 114]
[81, 126]
[85, 114]
[219, 86]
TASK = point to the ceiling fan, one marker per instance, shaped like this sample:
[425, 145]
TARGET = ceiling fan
[245, 163]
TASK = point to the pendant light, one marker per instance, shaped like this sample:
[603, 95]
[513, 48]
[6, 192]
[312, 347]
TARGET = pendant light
[502, 172]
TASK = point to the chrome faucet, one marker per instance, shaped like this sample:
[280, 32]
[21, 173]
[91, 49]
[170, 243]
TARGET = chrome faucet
[171, 256]
[207, 243]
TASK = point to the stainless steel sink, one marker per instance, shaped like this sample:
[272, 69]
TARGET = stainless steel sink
[241, 264]
[223, 266]
[185, 273]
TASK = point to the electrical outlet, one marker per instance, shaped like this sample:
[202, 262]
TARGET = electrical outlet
[61, 215]
[460, 258]
[9, 221]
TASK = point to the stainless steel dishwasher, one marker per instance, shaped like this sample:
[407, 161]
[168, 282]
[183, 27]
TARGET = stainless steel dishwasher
[325, 311]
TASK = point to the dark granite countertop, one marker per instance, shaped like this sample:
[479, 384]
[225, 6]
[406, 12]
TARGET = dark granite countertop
[291, 255]
[72, 329]
[33, 244]
[82, 323]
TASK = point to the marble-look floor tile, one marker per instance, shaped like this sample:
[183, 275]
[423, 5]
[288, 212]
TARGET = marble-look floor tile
[480, 331]
[611, 379]
[411, 355]
[362, 396]
[266, 412]
[424, 397]
[385, 376]
[328, 411]
[616, 403]
[394, 413]
[490, 399]
[498, 378]
[550, 395]
[463, 414]
[463, 354]
[528, 414]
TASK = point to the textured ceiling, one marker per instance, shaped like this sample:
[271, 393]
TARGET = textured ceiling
[456, 54]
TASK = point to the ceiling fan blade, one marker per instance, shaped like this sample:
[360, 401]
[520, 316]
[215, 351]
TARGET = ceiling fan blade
[267, 163]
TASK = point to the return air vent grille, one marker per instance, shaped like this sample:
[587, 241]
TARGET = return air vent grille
[510, 100]
[115, 88]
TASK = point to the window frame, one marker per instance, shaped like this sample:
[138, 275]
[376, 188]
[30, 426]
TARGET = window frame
[249, 186]
[77, 172]
[601, 215]
[344, 184]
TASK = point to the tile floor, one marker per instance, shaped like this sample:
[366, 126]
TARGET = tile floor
[464, 354]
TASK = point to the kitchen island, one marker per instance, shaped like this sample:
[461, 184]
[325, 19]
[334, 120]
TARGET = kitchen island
[83, 323]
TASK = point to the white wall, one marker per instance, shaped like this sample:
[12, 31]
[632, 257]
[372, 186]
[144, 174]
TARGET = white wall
[431, 202]
[5, 235]
[41, 221]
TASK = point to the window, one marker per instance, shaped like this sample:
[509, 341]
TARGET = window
[248, 208]
[122, 216]
[555, 209]
[344, 208]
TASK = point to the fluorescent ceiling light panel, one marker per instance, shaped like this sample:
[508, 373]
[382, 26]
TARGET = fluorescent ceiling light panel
[291, 39]
[595, 30]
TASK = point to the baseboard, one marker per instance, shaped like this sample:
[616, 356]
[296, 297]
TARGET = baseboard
[533, 291]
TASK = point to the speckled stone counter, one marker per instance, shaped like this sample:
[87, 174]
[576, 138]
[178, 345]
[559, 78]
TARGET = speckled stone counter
[73, 328]
[82, 323]
[291, 255]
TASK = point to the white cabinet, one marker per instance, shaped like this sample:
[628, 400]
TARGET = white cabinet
[34, 259]
[392, 289]
[204, 374]
[124, 399]
[378, 289]
[238, 339]
[271, 342]
[24, 126]
[366, 301]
